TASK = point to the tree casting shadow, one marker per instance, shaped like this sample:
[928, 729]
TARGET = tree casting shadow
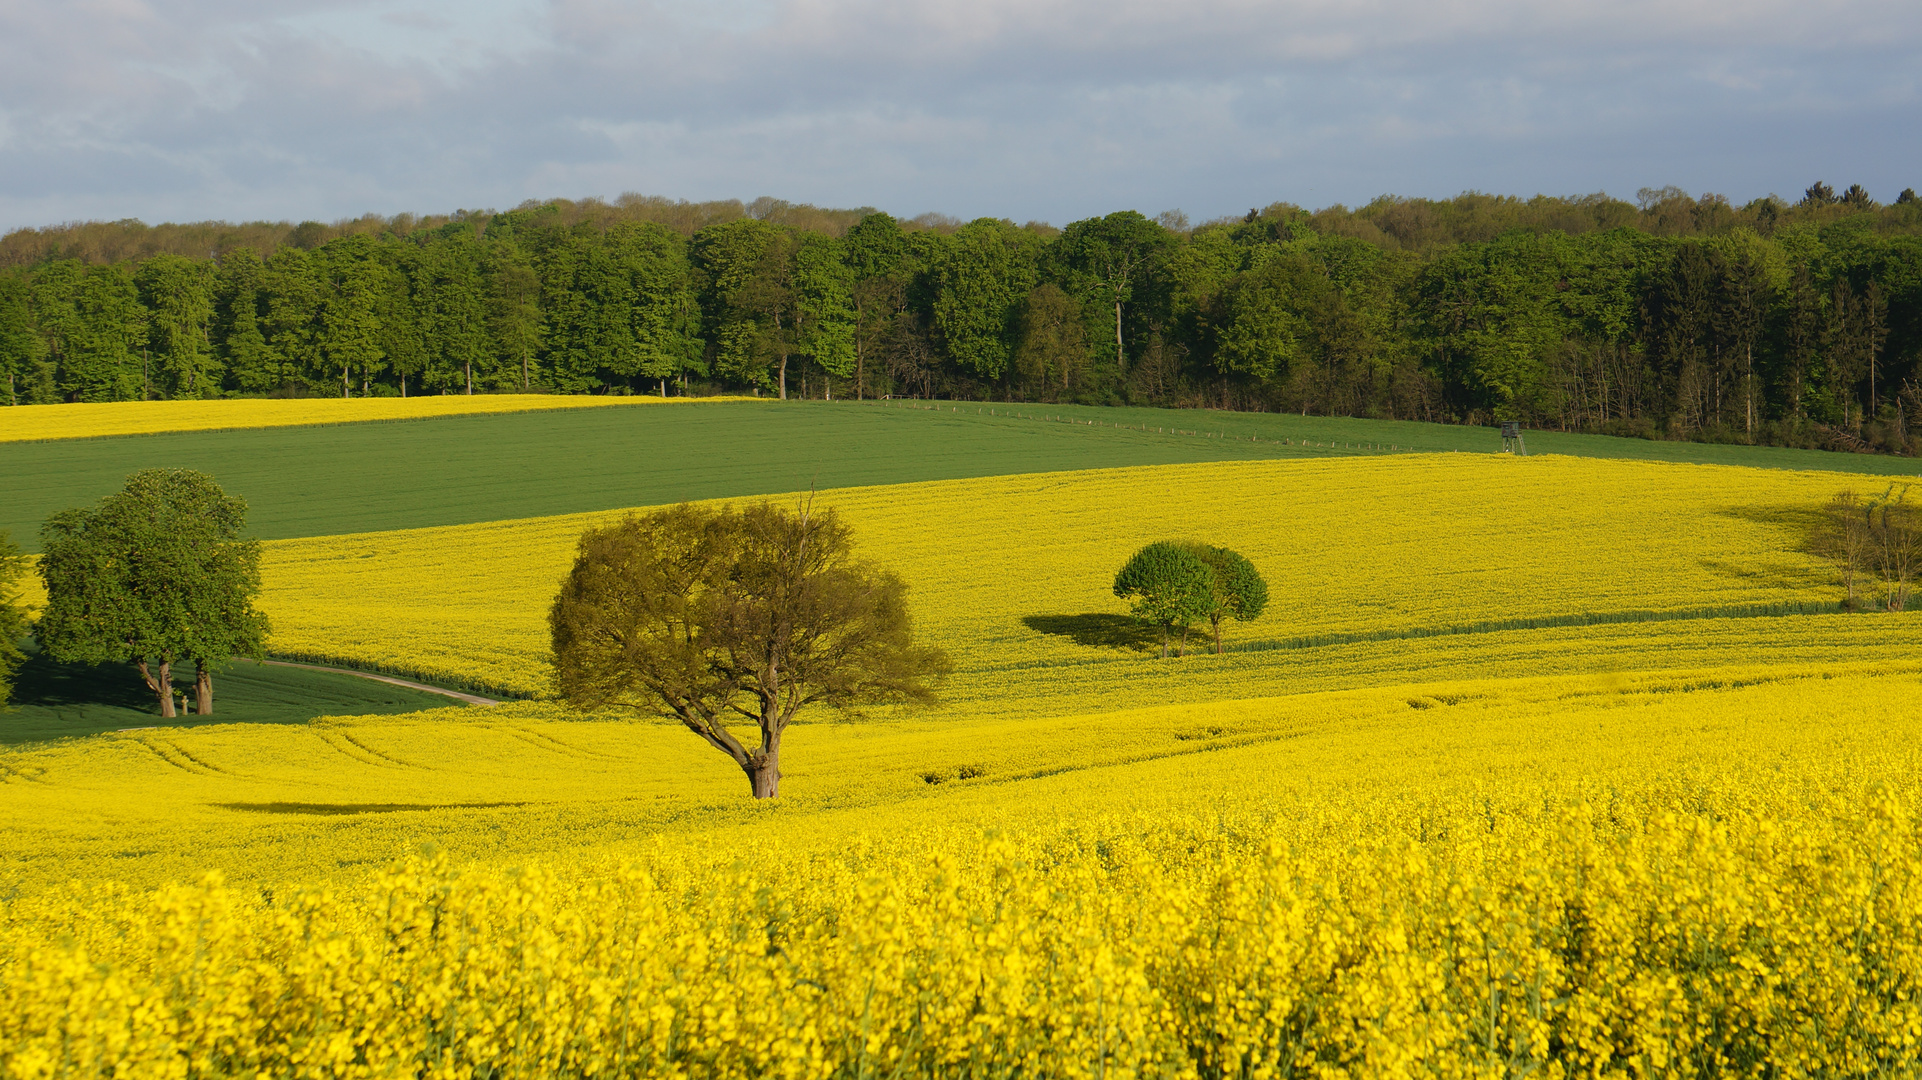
[1099, 629]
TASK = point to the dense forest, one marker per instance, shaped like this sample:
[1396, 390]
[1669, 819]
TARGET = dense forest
[1673, 316]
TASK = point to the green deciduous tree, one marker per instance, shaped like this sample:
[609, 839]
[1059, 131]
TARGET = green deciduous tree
[252, 366]
[291, 294]
[876, 252]
[1110, 256]
[92, 321]
[1169, 587]
[715, 617]
[981, 275]
[748, 297]
[513, 309]
[824, 305]
[353, 289]
[1052, 355]
[155, 574]
[21, 348]
[1237, 589]
[178, 295]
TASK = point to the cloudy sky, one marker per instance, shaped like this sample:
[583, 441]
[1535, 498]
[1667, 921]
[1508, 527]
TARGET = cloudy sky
[1029, 109]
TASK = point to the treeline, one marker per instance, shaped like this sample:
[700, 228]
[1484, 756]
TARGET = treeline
[1672, 316]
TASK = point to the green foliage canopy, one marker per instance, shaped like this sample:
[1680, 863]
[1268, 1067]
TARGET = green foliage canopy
[1169, 586]
[721, 616]
[156, 573]
[1237, 589]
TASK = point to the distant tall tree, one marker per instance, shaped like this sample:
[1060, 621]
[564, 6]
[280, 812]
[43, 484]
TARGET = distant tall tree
[824, 305]
[1802, 341]
[748, 296]
[178, 294]
[876, 253]
[514, 309]
[251, 364]
[1742, 310]
[1112, 255]
[1237, 589]
[452, 309]
[662, 320]
[1052, 353]
[155, 574]
[1682, 328]
[93, 324]
[21, 348]
[292, 289]
[981, 275]
[349, 338]
[715, 617]
[1169, 587]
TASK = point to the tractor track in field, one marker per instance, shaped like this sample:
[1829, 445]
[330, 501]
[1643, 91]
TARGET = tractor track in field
[471, 699]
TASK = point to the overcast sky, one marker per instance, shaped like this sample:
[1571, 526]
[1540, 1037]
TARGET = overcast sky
[1028, 109]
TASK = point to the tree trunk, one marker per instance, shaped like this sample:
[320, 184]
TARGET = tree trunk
[163, 685]
[203, 689]
[1120, 353]
[783, 376]
[470, 377]
[1164, 642]
[1217, 623]
[403, 384]
[764, 772]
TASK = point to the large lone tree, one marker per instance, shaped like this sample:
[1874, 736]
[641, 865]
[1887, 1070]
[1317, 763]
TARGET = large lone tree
[155, 574]
[1170, 587]
[718, 616]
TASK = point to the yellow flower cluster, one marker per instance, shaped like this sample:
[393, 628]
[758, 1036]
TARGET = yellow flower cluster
[1560, 942]
[87, 420]
[1402, 569]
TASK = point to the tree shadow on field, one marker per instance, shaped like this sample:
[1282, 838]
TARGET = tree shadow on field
[1099, 629]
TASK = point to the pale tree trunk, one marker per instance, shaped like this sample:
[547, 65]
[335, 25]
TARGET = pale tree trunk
[403, 384]
[783, 376]
[203, 689]
[1120, 353]
[162, 684]
[470, 377]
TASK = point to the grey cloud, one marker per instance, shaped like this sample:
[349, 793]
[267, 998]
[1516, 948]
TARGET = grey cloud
[1025, 109]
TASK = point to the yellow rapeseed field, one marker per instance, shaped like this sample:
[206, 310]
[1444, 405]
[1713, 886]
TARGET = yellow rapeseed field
[1534, 767]
[1599, 876]
[86, 420]
[1376, 568]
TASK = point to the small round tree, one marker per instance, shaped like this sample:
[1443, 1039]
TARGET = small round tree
[154, 574]
[718, 617]
[1238, 593]
[1169, 586]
